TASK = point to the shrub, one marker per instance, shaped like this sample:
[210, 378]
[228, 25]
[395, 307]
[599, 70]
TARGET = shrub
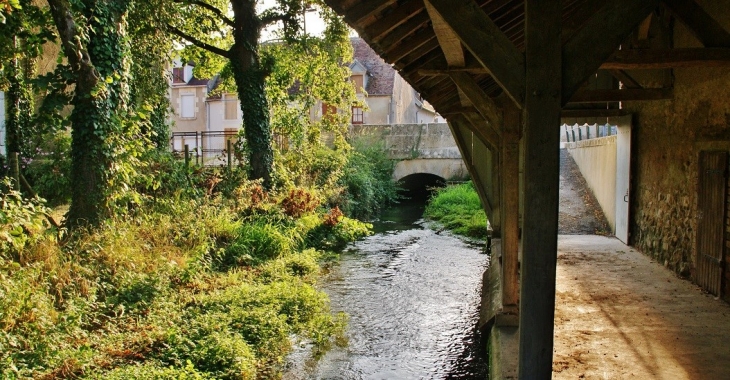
[459, 209]
[368, 182]
[48, 170]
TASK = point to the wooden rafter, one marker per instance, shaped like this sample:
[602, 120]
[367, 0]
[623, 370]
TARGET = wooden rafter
[361, 11]
[401, 50]
[625, 78]
[668, 58]
[630, 59]
[487, 43]
[700, 23]
[593, 45]
[397, 17]
[606, 96]
[577, 19]
[481, 101]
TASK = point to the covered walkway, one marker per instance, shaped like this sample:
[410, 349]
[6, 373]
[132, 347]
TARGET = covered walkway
[619, 314]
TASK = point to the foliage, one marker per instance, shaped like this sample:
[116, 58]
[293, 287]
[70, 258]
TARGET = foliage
[22, 222]
[368, 182]
[197, 288]
[459, 209]
[48, 168]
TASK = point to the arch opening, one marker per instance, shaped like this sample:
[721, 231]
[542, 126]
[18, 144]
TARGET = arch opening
[420, 186]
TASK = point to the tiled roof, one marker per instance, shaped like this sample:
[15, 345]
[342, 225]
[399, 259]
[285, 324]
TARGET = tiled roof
[381, 75]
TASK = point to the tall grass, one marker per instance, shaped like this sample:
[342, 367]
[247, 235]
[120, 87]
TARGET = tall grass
[458, 209]
[189, 289]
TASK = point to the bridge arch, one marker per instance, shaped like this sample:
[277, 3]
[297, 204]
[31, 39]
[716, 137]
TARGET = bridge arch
[446, 168]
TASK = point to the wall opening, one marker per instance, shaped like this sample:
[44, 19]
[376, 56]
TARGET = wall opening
[420, 186]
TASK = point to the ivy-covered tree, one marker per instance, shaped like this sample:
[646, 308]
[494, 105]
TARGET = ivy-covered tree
[227, 35]
[93, 38]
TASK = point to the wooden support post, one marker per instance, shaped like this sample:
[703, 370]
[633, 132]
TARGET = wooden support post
[543, 78]
[510, 169]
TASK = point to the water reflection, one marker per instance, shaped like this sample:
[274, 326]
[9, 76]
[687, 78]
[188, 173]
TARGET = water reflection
[412, 297]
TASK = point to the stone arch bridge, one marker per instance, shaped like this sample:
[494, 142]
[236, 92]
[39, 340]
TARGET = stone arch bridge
[426, 154]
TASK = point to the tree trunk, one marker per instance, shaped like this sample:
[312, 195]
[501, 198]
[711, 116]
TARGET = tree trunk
[250, 79]
[100, 99]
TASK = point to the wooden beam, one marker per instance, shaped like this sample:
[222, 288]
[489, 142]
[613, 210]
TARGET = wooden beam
[700, 23]
[447, 38]
[482, 130]
[593, 113]
[641, 59]
[481, 101]
[626, 95]
[460, 127]
[509, 165]
[604, 32]
[642, 34]
[625, 79]
[543, 58]
[446, 72]
[487, 43]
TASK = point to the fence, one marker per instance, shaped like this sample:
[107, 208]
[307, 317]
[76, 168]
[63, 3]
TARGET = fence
[209, 148]
[214, 148]
[578, 132]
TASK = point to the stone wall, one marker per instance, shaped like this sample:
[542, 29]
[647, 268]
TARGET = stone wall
[410, 141]
[667, 138]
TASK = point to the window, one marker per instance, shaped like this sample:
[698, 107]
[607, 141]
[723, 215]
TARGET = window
[357, 115]
[231, 107]
[187, 105]
[357, 81]
[178, 75]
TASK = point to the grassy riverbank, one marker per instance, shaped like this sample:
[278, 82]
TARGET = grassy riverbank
[458, 209]
[186, 289]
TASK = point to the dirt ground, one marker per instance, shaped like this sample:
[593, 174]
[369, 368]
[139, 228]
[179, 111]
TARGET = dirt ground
[619, 314]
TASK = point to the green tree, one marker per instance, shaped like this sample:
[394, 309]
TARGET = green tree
[93, 37]
[227, 36]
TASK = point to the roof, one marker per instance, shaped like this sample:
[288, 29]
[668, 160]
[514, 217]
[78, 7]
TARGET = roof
[381, 75]
[403, 34]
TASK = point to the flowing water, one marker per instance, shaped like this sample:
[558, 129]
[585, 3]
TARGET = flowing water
[412, 296]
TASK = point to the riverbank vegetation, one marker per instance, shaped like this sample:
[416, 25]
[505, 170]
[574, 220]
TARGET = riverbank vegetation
[164, 269]
[211, 287]
[458, 208]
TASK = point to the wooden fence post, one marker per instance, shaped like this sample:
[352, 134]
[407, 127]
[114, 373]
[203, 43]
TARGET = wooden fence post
[187, 155]
[229, 148]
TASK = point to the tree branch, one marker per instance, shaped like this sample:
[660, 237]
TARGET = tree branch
[209, 7]
[274, 17]
[197, 42]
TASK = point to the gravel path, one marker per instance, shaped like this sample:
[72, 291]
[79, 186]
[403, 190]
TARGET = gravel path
[579, 211]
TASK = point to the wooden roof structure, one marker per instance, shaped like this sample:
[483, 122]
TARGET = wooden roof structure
[503, 72]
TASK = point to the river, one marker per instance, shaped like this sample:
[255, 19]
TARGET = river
[412, 296]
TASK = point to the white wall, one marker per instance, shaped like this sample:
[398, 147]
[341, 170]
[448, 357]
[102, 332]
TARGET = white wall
[596, 159]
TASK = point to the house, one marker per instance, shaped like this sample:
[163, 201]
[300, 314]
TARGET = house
[389, 98]
[188, 96]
